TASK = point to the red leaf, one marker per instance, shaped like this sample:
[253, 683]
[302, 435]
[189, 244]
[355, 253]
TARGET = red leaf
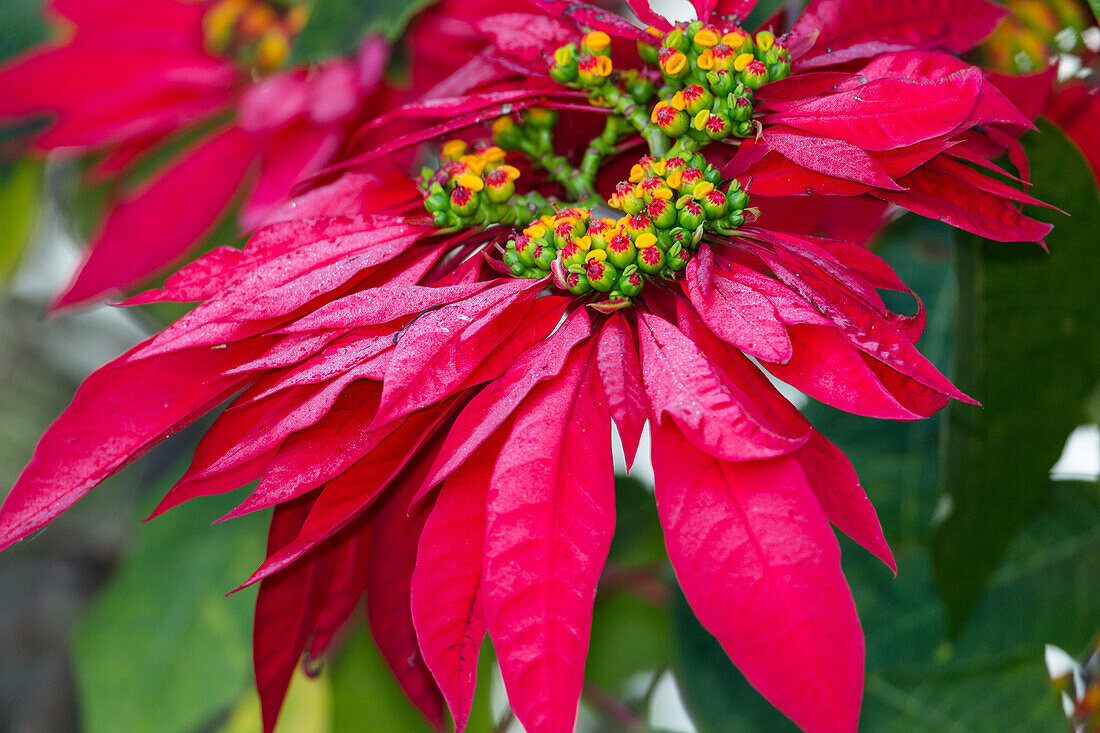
[648, 15]
[286, 608]
[852, 29]
[75, 454]
[438, 350]
[829, 369]
[446, 584]
[551, 515]
[889, 113]
[598, 19]
[830, 157]
[684, 383]
[395, 534]
[760, 567]
[490, 408]
[381, 305]
[843, 500]
[940, 196]
[527, 37]
[191, 194]
[620, 374]
[740, 316]
[352, 492]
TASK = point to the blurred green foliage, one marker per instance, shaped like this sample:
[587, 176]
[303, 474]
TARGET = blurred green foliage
[337, 27]
[1028, 348]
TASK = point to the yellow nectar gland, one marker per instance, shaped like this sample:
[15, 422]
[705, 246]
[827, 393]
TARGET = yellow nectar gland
[470, 181]
[654, 32]
[637, 173]
[765, 41]
[660, 167]
[273, 50]
[604, 67]
[584, 244]
[701, 189]
[742, 61]
[678, 101]
[597, 41]
[501, 126]
[701, 119]
[675, 179]
[535, 231]
[596, 255]
[705, 60]
[454, 149]
[646, 240]
[706, 38]
[510, 171]
[663, 193]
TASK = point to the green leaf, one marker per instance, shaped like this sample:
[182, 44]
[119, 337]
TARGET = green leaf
[20, 196]
[1095, 5]
[337, 27]
[1029, 350]
[366, 697]
[162, 648]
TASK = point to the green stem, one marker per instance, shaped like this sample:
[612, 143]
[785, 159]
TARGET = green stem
[599, 148]
[626, 107]
[571, 179]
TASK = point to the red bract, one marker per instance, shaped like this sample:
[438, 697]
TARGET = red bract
[505, 446]
[129, 80]
[423, 375]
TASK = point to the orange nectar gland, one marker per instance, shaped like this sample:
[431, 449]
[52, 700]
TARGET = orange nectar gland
[592, 70]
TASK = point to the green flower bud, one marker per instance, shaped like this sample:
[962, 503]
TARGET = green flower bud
[464, 202]
[510, 257]
[651, 260]
[630, 282]
[691, 214]
[593, 70]
[525, 248]
[662, 212]
[755, 75]
[780, 69]
[733, 220]
[648, 53]
[563, 66]
[544, 256]
[740, 109]
[621, 250]
[676, 40]
[601, 274]
[577, 283]
[715, 205]
[696, 99]
[722, 81]
[745, 129]
[641, 89]
[500, 183]
[738, 199]
[673, 122]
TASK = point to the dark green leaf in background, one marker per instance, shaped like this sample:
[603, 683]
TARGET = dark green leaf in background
[337, 27]
[1029, 349]
[162, 648]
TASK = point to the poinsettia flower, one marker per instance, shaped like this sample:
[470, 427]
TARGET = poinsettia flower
[876, 107]
[422, 375]
[128, 79]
